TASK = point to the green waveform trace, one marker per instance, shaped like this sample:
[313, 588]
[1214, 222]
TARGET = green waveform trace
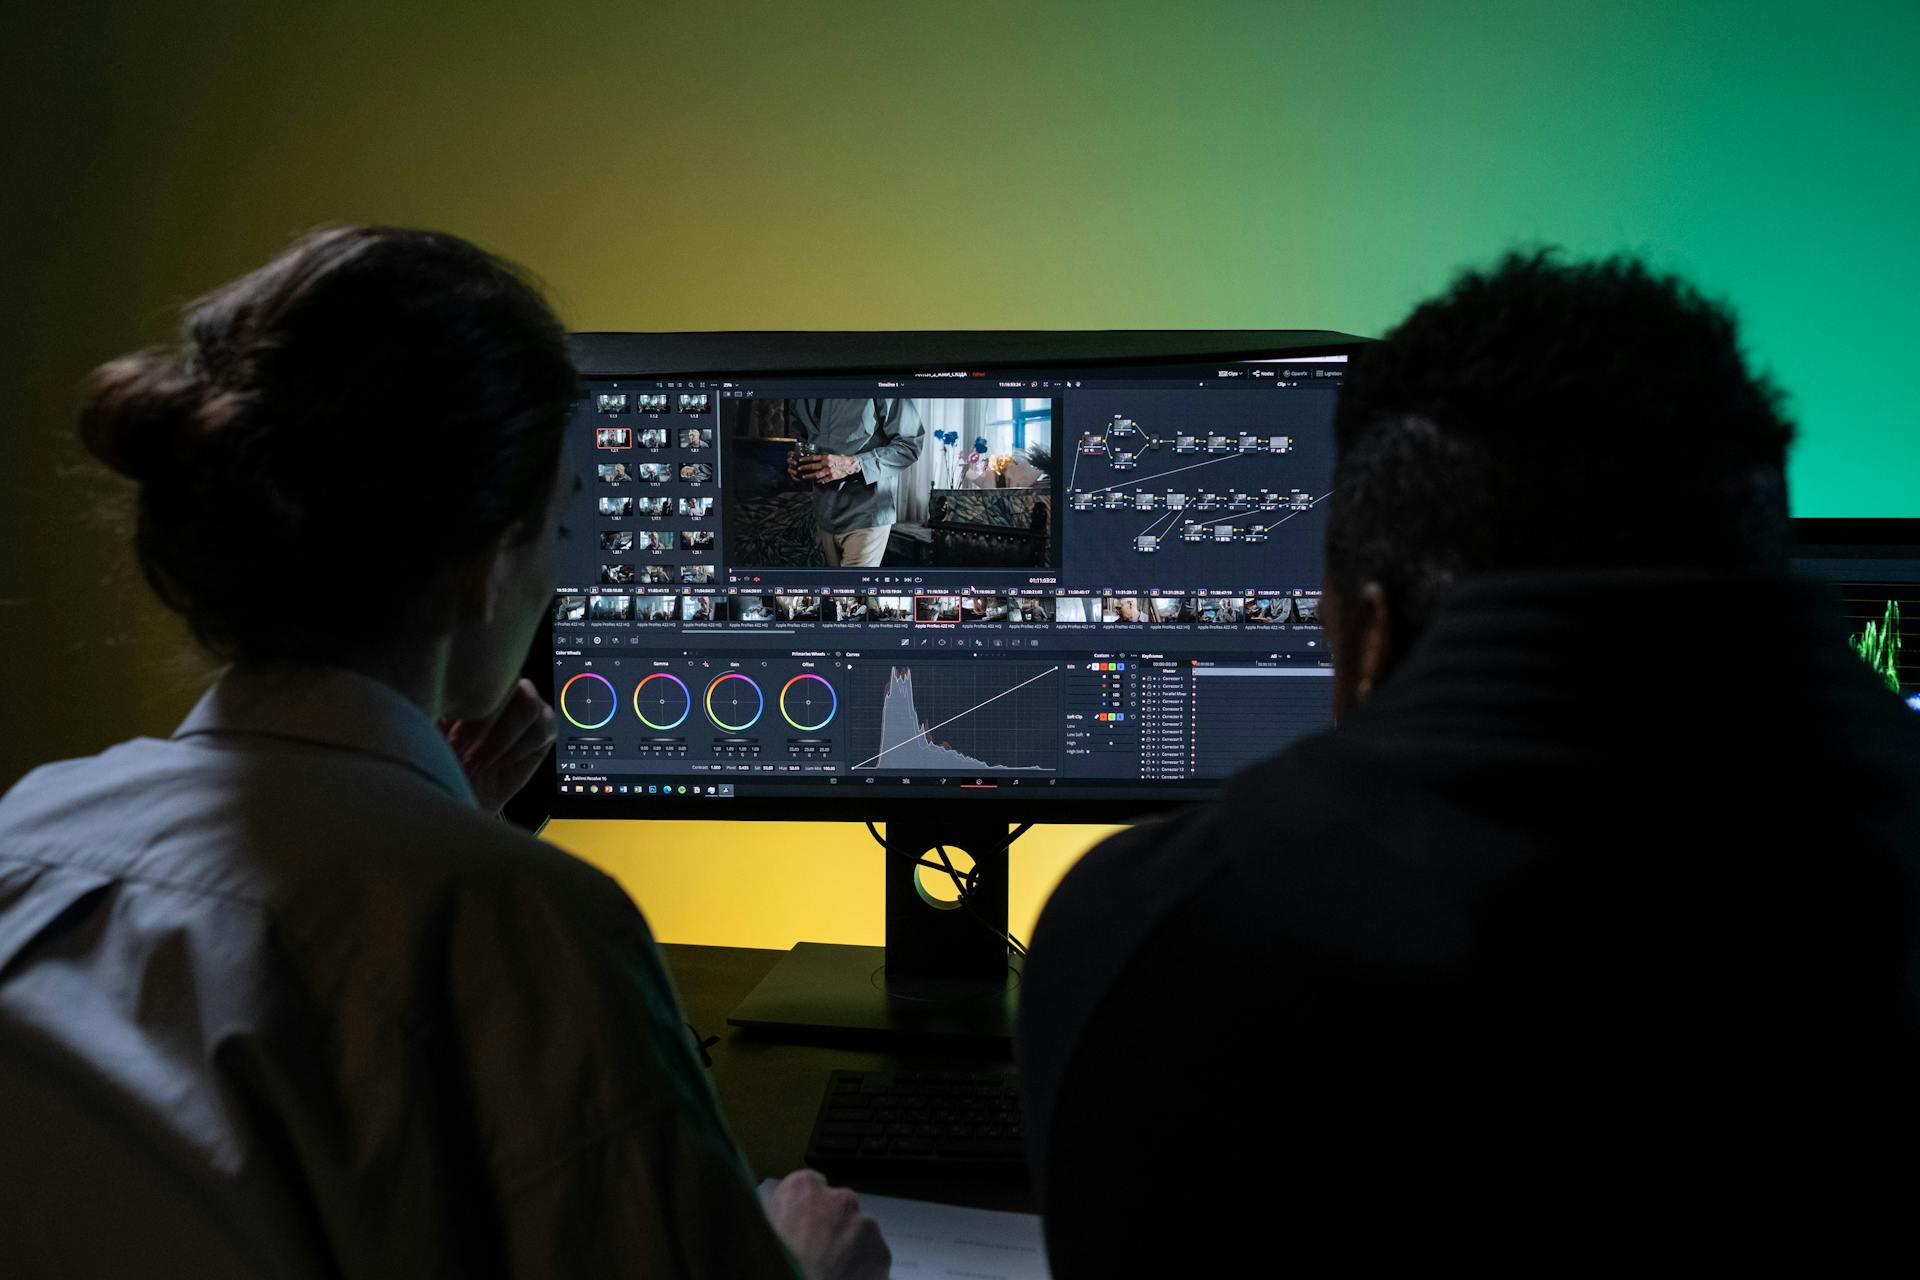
[1879, 646]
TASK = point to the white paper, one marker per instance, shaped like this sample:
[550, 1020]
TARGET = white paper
[937, 1241]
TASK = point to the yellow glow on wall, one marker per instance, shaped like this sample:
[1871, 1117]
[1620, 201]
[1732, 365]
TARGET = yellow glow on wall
[772, 884]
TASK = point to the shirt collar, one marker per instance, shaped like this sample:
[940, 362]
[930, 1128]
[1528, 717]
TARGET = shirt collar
[329, 707]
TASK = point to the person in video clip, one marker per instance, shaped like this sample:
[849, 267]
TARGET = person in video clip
[852, 452]
[1557, 944]
[282, 994]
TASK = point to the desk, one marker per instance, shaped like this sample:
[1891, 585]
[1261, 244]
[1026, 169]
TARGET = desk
[770, 1089]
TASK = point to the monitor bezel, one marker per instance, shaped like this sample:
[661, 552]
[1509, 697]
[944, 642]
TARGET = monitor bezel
[820, 353]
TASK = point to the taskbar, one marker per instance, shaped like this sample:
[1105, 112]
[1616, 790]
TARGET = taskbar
[582, 791]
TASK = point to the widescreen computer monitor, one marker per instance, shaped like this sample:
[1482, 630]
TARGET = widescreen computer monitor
[947, 581]
[1046, 576]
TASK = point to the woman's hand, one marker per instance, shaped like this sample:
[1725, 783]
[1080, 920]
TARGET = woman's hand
[501, 752]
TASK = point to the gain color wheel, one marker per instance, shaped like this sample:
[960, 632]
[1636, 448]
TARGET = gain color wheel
[734, 702]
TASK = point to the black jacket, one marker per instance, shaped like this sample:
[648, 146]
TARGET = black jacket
[1583, 934]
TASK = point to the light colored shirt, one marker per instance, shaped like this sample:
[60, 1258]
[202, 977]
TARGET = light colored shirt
[276, 999]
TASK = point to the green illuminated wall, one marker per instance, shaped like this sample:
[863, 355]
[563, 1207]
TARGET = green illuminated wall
[909, 165]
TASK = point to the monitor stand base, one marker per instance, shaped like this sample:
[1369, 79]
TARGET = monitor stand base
[946, 973]
[826, 990]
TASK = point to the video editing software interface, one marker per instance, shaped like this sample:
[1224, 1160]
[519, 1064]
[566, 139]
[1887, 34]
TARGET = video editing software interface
[944, 582]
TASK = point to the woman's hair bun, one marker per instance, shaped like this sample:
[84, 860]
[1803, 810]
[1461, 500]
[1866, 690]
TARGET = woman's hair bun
[144, 413]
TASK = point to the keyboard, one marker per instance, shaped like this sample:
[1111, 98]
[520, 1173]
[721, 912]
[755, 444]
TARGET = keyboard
[906, 1122]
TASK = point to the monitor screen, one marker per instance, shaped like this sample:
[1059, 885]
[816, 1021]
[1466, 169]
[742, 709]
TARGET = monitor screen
[837, 591]
[1875, 567]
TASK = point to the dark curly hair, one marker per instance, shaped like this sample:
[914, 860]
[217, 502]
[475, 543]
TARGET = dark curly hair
[333, 433]
[1547, 415]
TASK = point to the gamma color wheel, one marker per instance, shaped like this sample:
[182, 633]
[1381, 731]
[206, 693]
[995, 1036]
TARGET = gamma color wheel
[662, 701]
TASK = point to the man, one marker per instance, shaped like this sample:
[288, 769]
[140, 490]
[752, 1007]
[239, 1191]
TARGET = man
[854, 452]
[1578, 937]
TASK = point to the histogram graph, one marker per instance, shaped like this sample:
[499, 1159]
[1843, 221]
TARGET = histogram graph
[961, 717]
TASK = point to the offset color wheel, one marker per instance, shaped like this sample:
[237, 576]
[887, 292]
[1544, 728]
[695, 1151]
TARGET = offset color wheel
[667, 697]
[731, 695]
[801, 701]
[588, 705]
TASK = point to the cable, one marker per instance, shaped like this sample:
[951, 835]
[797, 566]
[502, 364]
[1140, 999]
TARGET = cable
[964, 884]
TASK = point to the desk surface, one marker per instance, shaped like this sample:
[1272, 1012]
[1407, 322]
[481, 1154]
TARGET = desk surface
[770, 1089]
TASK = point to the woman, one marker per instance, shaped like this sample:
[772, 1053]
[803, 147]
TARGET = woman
[279, 995]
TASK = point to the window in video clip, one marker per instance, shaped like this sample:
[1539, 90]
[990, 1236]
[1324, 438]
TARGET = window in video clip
[656, 574]
[659, 608]
[1170, 610]
[612, 609]
[1075, 609]
[614, 508]
[935, 483]
[654, 437]
[651, 403]
[613, 473]
[936, 608]
[1220, 611]
[654, 540]
[846, 609]
[1267, 610]
[696, 507]
[797, 608]
[890, 608]
[755, 609]
[616, 540]
[653, 506]
[697, 403]
[696, 437]
[570, 609]
[704, 609]
[1032, 610]
[613, 437]
[653, 472]
[696, 573]
[697, 539]
[612, 402]
[616, 575]
[1123, 610]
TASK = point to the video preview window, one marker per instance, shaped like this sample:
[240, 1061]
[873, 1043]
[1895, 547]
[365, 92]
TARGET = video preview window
[856, 483]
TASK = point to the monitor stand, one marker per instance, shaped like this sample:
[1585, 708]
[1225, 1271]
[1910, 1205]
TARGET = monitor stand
[943, 976]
